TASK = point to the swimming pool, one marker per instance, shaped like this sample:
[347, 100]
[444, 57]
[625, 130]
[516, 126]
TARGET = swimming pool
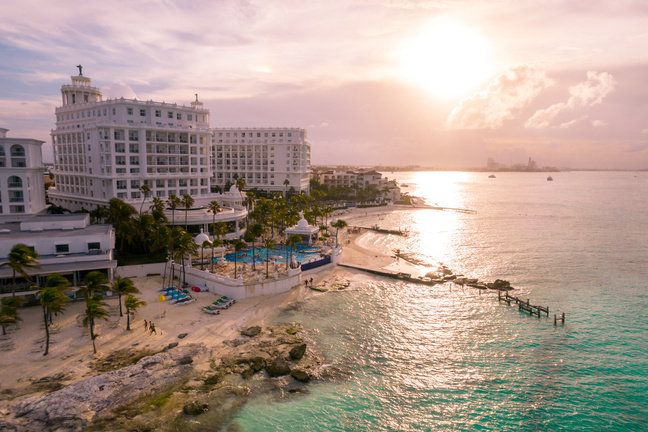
[279, 253]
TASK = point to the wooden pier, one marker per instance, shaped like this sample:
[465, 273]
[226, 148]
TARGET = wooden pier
[526, 306]
[383, 230]
[394, 275]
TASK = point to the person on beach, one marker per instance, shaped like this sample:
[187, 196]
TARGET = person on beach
[311, 281]
[306, 283]
[152, 328]
[145, 325]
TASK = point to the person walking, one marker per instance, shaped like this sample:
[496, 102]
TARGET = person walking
[146, 324]
[152, 329]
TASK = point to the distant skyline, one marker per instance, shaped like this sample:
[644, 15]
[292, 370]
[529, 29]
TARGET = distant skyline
[445, 83]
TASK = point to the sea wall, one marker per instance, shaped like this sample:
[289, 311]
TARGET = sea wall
[140, 270]
[236, 288]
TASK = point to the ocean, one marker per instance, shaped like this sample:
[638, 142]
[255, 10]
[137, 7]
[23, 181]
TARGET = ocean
[444, 357]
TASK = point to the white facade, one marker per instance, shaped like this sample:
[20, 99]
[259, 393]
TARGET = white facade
[67, 244]
[106, 149]
[22, 191]
[264, 157]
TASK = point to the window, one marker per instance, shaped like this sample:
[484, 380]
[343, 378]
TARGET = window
[114, 111]
[179, 116]
[94, 245]
[190, 117]
[142, 113]
[170, 114]
[158, 113]
[62, 248]
[129, 111]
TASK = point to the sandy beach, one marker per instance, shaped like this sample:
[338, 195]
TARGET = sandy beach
[22, 361]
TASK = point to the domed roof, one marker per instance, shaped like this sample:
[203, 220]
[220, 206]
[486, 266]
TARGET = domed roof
[234, 189]
[303, 223]
[200, 238]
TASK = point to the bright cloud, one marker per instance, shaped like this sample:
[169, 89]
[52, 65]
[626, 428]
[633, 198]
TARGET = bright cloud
[585, 94]
[503, 98]
[118, 90]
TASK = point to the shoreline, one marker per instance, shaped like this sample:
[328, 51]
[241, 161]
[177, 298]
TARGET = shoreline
[71, 355]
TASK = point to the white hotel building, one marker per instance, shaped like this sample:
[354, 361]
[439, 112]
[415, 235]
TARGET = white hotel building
[107, 149]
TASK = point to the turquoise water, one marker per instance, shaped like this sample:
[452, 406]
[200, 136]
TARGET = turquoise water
[279, 254]
[447, 358]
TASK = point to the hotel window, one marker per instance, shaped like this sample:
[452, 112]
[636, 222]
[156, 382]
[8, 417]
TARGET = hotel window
[94, 245]
[142, 112]
[170, 114]
[129, 111]
[258, 134]
[62, 248]
[190, 117]
[158, 113]
[179, 116]
[114, 111]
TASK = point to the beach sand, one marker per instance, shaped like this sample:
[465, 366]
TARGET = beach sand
[22, 360]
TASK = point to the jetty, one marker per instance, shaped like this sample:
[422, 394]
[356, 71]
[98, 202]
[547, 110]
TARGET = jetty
[526, 306]
[407, 277]
[376, 228]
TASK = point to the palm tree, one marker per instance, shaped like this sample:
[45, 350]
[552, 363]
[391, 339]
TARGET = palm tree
[187, 202]
[95, 309]
[94, 282]
[123, 286]
[57, 281]
[205, 244]
[240, 185]
[220, 230]
[132, 303]
[338, 225]
[146, 191]
[21, 258]
[52, 300]
[239, 245]
[185, 245]
[286, 184]
[291, 242]
[173, 202]
[214, 207]
[214, 243]
[255, 230]
[8, 312]
[120, 216]
[157, 205]
[269, 243]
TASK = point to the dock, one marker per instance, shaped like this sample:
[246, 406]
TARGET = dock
[526, 306]
[376, 228]
[407, 277]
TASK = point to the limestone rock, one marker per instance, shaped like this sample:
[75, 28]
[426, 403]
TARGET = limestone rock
[195, 408]
[251, 331]
[300, 375]
[298, 352]
[278, 367]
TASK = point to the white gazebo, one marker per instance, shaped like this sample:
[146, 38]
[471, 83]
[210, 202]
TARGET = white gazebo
[303, 229]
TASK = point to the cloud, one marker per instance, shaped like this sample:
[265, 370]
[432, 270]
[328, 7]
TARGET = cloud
[585, 94]
[501, 100]
[118, 90]
[571, 123]
[599, 123]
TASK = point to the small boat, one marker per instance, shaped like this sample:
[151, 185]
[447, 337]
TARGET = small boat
[491, 176]
[210, 310]
[549, 178]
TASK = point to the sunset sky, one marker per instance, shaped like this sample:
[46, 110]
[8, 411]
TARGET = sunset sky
[442, 83]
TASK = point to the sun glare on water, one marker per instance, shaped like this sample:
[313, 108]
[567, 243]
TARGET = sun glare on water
[447, 59]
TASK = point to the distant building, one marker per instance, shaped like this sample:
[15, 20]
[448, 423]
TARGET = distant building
[106, 149]
[22, 191]
[360, 179]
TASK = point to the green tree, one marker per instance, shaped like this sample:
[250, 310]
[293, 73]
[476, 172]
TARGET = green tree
[240, 185]
[157, 205]
[184, 244]
[187, 202]
[173, 202]
[57, 281]
[8, 312]
[255, 230]
[132, 303]
[214, 207]
[205, 244]
[21, 258]
[286, 184]
[94, 282]
[52, 300]
[239, 245]
[123, 286]
[291, 242]
[120, 216]
[95, 309]
[269, 243]
[146, 192]
[338, 224]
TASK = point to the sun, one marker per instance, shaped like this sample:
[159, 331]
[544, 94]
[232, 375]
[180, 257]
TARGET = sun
[447, 59]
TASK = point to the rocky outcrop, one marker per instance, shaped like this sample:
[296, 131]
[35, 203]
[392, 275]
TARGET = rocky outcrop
[278, 367]
[300, 375]
[195, 408]
[78, 405]
[251, 331]
[298, 352]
